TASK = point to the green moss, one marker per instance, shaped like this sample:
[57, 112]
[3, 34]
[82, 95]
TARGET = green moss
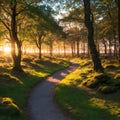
[8, 107]
[86, 104]
[110, 66]
[11, 84]
[7, 79]
[91, 83]
[95, 80]
[117, 76]
[107, 89]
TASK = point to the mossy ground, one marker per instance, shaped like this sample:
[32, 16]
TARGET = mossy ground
[14, 87]
[80, 95]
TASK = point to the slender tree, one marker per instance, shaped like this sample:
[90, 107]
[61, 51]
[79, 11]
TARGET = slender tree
[11, 12]
[118, 5]
[89, 24]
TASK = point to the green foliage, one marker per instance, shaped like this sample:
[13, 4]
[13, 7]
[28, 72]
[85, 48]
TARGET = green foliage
[44, 19]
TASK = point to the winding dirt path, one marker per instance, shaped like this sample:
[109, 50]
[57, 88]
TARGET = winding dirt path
[41, 102]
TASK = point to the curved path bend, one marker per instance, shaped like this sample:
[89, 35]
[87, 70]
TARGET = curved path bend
[41, 102]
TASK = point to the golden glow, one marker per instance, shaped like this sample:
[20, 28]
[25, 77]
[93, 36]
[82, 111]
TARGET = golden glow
[7, 49]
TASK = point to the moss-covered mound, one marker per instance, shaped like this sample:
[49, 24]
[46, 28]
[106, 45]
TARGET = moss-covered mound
[117, 76]
[7, 79]
[111, 66]
[94, 81]
[102, 83]
[8, 107]
[107, 89]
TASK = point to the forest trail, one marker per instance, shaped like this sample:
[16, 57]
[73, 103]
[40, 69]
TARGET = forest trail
[41, 101]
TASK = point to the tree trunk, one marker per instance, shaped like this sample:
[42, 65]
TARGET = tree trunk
[110, 49]
[105, 46]
[88, 52]
[114, 32]
[119, 30]
[51, 49]
[89, 24]
[118, 4]
[78, 52]
[73, 48]
[40, 45]
[15, 43]
[40, 55]
[64, 48]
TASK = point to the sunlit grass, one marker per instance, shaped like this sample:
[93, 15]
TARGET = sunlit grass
[83, 103]
[16, 86]
[112, 107]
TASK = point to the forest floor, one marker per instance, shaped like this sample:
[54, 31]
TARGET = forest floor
[87, 95]
[15, 87]
[41, 101]
[84, 94]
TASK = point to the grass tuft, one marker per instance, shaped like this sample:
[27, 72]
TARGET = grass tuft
[8, 107]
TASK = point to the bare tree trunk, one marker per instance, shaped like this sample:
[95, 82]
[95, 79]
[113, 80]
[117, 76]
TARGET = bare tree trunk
[89, 24]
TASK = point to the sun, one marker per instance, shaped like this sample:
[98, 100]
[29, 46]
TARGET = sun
[7, 49]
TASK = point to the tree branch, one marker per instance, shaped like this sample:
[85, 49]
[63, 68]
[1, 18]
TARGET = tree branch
[24, 8]
[5, 10]
[7, 27]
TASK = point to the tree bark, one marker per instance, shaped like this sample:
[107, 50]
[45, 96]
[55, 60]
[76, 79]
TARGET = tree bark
[15, 43]
[40, 46]
[51, 49]
[119, 29]
[105, 46]
[64, 48]
[114, 33]
[89, 24]
[118, 5]
[78, 52]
